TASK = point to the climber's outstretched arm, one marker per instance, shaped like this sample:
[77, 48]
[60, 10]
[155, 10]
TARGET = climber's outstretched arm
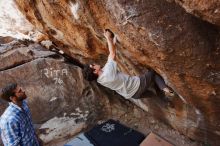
[111, 46]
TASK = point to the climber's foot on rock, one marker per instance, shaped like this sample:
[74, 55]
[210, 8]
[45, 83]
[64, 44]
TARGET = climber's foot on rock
[169, 94]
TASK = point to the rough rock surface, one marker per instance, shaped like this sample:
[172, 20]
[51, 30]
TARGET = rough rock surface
[63, 104]
[206, 10]
[57, 93]
[155, 33]
[13, 23]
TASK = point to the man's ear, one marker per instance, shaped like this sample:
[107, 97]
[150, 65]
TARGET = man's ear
[11, 98]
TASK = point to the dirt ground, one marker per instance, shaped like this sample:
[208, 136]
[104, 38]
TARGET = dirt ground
[146, 125]
[132, 116]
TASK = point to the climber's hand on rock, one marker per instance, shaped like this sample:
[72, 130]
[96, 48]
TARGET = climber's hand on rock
[108, 34]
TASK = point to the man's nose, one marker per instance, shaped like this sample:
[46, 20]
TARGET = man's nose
[21, 90]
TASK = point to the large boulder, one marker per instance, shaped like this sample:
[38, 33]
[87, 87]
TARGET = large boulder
[57, 93]
[63, 104]
[11, 57]
[159, 34]
[206, 10]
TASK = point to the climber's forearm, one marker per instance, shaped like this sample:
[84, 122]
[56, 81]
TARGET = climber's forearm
[112, 48]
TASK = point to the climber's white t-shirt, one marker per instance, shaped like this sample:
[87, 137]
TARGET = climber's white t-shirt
[123, 84]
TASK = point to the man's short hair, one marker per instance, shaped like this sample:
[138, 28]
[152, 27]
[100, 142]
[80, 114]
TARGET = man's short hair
[8, 91]
[88, 73]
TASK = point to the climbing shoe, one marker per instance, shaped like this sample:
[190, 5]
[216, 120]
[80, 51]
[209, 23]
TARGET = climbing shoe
[169, 94]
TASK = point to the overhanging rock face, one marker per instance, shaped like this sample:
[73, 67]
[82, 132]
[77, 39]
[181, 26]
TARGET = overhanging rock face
[154, 33]
[209, 11]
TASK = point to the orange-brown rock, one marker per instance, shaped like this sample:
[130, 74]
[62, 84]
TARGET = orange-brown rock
[5, 40]
[206, 10]
[154, 33]
[63, 104]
